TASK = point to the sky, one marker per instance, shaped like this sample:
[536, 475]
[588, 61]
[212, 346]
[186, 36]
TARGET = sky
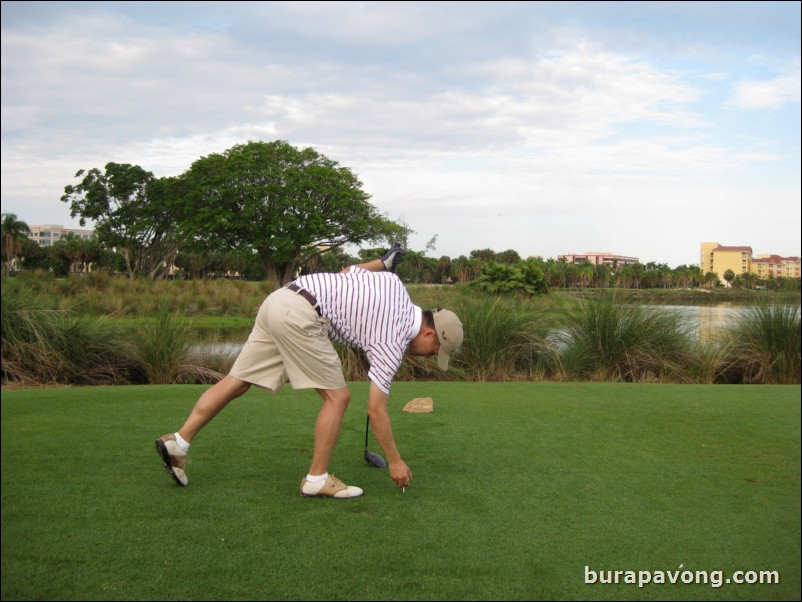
[635, 128]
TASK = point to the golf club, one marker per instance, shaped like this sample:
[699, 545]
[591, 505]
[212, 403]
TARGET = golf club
[372, 458]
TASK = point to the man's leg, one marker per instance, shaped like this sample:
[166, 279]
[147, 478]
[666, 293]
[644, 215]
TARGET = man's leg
[173, 449]
[327, 428]
[318, 483]
[213, 400]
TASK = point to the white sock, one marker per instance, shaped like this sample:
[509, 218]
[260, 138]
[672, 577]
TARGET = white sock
[317, 479]
[182, 445]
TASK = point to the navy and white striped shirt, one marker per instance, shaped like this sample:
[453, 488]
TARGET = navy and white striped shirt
[371, 311]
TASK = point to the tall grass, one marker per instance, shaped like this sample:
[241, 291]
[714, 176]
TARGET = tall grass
[138, 331]
[99, 294]
[605, 340]
[162, 348]
[763, 346]
[503, 339]
[43, 346]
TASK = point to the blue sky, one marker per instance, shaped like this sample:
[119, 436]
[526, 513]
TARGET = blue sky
[637, 128]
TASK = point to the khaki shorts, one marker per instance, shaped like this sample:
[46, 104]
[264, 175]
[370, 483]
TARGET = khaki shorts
[289, 342]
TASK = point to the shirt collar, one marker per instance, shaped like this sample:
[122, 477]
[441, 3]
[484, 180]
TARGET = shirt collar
[417, 320]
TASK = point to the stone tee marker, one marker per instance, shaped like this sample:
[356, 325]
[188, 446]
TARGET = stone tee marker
[420, 405]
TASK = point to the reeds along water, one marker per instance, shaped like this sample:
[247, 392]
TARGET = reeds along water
[763, 346]
[47, 338]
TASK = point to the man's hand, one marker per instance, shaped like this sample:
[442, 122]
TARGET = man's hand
[393, 257]
[400, 473]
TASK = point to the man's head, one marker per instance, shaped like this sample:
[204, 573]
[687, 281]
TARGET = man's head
[449, 333]
[440, 334]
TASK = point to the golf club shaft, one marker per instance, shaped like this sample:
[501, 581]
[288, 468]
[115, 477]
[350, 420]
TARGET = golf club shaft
[376, 459]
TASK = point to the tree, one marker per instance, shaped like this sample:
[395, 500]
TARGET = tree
[625, 276]
[444, 270]
[13, 234]
[601, 277]
[749, 280]
[287, 205]
[32, 255]
[510, 256]
[76, 252]
[464, 269]
[586, 272]
[637, 273]
[710, 279]
[133, 212]
[556, 272]
[729, 276]
[525, 277]
[483, 255]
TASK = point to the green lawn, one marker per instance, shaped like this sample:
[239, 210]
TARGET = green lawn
[518, 488]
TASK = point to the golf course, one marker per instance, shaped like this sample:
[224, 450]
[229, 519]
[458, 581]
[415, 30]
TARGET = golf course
[522, 490]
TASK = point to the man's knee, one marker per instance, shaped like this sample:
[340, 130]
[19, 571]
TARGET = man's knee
[339, 397]
[235, 386]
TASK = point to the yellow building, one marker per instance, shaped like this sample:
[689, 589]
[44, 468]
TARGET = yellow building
[774, 266]
[716, 258]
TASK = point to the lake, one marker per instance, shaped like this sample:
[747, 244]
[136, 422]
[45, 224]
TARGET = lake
[708, 319]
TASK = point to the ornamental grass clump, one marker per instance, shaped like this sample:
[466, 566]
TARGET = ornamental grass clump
[605, 340]
[42, 346]
[763, 346]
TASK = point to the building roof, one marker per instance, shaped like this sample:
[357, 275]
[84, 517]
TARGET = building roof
[739, 249]
[774, 259]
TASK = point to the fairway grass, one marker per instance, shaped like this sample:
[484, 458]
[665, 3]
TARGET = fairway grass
[520, 489]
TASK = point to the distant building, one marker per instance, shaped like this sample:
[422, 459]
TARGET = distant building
[717, 258]
[774, 266]
[51, 233]
[599, 259]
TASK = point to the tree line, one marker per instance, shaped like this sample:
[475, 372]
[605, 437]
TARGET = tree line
[493, 271]
[268, 210]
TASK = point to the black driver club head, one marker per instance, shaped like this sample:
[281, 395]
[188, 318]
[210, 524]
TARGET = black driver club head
[375, 459]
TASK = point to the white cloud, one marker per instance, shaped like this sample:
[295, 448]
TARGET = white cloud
[767, 94]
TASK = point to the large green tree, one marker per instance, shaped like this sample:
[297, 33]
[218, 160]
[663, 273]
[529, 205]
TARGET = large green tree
[285, 204]
[133, 212]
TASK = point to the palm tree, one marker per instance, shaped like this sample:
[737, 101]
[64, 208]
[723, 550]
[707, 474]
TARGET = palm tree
[586, 273]
[711, 278]
[729, 276]
[750, 280]
[13, 231]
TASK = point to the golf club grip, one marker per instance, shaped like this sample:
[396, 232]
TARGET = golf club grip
[392, 267]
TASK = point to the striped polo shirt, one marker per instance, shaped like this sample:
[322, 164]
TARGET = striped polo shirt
[371, 311]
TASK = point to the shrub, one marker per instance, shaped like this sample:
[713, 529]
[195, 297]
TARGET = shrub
[763, 346]
[524, 278]
[604, 340]
[503, 340]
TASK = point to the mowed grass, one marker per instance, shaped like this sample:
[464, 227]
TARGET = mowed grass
[518, 487]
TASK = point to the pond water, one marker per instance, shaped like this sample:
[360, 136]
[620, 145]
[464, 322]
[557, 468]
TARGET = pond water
[708, 319]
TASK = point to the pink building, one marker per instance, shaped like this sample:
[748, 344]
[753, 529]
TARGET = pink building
[599, 259]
